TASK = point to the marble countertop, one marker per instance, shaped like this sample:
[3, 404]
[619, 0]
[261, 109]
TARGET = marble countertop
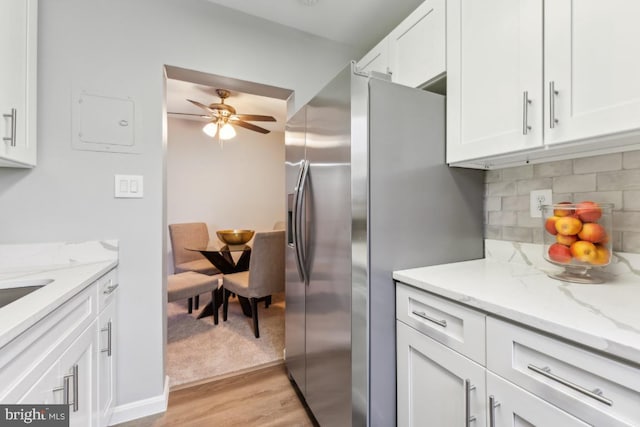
[512, 282]
[72, 266]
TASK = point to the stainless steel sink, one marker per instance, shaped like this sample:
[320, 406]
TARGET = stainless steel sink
[11, 290]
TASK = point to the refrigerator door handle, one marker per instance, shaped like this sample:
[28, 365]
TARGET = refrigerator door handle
[295, 224]
[298, 236]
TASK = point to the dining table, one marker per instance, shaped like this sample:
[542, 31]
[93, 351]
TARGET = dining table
[228, 259]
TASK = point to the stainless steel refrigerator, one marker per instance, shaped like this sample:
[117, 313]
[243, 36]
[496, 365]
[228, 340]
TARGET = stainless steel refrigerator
[368, 192]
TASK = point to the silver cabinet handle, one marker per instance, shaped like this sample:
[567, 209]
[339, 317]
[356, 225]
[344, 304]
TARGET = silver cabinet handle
[65, 388]
[110, 289]
[595, 394]
[108, 330]
[552, 104]
[525, 112]
[424, 316]
[299, 210]
[13, 116]
[468, 418]
[296, 225]
[492, 411]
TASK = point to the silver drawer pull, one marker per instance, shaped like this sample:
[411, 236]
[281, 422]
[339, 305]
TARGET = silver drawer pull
[108, 330]
[468, 418]
[423, 315]
[595, 394]
[525, 112]
[12, 138]
[493, 404]
[110, 289]
[552, 104]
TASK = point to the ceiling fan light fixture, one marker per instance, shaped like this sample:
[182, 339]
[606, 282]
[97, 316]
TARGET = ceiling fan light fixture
[227, 131]
[210, 129]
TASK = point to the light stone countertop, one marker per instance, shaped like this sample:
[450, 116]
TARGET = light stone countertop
[512, 282]
[72, 266]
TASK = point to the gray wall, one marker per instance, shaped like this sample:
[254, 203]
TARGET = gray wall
[611, 178]
[119, 47]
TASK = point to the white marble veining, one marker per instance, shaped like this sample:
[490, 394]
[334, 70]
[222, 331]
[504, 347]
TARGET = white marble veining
[71, 265]
[512, 282]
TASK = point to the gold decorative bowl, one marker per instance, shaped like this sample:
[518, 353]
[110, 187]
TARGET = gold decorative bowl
[235, 237]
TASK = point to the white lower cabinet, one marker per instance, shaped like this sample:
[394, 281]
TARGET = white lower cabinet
[68, 357]
[529, 378]
[511, 406]
[436, 385]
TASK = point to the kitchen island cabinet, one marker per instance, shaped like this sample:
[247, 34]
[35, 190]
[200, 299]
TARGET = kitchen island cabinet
[556, 353]
[18, 80]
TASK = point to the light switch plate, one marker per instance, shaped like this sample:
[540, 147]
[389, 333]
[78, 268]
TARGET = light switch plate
[128, 187]
[537, 199]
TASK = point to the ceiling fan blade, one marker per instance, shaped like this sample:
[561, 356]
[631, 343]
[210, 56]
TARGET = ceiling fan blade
[254, 117]
[250, 126]
[201, 105]
[203, 116]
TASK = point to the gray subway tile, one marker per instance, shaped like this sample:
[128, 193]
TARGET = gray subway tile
[526, 186]
[620, 180]
[631, 160]
[626, 221]
[608, 162]
[631, 241]
[631, 200]
[515, 203]
[520, 172]
[574, 183]
[494, 175]
[501, 189]
[502, 218]
[562, 197]
[523, 219]
[538, 235]
[493, 203]
[551, 169]
[492, 232]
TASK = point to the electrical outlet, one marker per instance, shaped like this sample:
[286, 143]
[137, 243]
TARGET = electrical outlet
[537, 199]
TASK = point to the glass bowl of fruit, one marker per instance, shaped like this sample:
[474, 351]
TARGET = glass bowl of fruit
[577, 236]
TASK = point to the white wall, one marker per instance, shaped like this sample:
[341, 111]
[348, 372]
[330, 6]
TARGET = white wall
[119, 47]
[238, 185]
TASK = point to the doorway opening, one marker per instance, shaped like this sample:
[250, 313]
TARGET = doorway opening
[238, 184]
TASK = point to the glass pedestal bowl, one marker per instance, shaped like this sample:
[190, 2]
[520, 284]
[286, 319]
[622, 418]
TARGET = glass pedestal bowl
[577, 236]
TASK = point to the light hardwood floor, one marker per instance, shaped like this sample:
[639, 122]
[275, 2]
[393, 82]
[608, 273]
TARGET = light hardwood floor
[263, 397]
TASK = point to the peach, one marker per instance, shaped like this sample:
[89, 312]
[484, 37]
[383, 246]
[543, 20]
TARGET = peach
[602, 255]
[588, 211]
[550, 225]
[584, 251]
[559, 253]
[566, 240]
[592, 232]
[568, 225]
[562, 211]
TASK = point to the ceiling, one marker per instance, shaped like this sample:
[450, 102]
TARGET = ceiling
[348, 22]
[358, 23]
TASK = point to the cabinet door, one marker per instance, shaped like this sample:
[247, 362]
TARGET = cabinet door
[417, 45]
[494, 75]
[514, 407]
[47, 390]
[591, 60]
[18, 38]
[432, 383]
[377, 59]
[79, 362]
[107, 362]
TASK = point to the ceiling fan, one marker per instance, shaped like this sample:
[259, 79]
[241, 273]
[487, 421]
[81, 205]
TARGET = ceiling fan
[222, 116]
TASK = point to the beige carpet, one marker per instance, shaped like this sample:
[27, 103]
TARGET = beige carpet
[197, 349]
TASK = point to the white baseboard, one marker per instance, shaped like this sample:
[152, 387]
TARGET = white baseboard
[141, 408]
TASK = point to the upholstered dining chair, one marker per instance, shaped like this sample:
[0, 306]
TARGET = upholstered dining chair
[186, 235]
[264, 277]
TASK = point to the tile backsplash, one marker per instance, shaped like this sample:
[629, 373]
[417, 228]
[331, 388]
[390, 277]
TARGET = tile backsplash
[609, 178]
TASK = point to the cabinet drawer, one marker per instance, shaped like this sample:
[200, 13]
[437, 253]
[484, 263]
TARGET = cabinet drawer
[596, 389]
[455, 326]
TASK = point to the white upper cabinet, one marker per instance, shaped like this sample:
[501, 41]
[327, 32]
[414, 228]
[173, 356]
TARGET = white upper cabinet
[417, 46]
[592, 61]
[377, 59]
[414, 52]
[525, 76]
[18, 67]
[494, 75]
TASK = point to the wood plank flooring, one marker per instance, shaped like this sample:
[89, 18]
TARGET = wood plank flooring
[263, 397]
